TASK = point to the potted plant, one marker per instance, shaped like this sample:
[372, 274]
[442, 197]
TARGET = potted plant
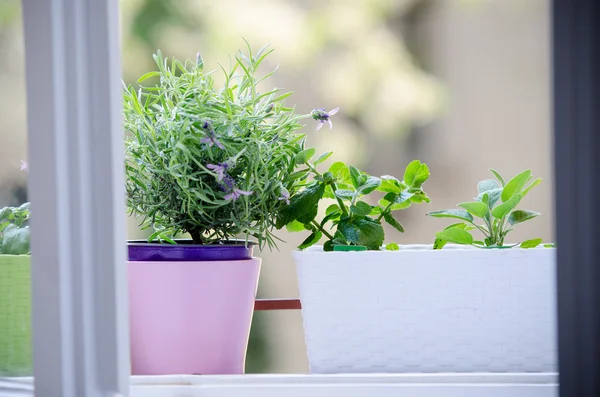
[420, 308]
[217, 164]
[15, 294]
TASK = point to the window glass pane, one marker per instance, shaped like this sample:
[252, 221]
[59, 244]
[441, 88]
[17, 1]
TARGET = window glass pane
[460, 85]
[15, 297]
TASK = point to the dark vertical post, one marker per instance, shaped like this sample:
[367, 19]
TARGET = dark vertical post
[576, 49]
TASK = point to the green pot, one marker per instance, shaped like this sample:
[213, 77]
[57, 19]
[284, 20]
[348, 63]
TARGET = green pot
[15, 315]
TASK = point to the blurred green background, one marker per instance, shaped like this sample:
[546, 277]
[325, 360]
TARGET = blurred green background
[461, 85]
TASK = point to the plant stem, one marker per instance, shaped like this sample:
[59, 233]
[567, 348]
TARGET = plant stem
[384, 211]
[339, 200]
[325, 232]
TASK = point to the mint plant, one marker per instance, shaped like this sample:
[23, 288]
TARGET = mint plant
[350, 221]
[496, 208]
[214, 162]
[14, 230]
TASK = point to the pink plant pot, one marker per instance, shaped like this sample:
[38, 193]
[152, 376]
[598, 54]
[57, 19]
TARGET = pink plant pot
[191, 317]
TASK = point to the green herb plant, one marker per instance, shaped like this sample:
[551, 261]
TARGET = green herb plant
[214, 162]
[14, 230]
[350, 221]
[496, 207]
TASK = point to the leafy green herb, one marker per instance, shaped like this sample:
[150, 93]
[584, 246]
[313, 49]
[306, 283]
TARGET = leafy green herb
[14, 230]
[493, 213]
[215, 162]
[352, 221]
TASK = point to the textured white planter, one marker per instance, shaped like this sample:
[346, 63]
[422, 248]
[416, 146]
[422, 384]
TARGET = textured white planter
[419, 310]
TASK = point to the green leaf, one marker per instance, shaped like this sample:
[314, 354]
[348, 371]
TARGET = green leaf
[493, 197]
[455, 235]
[362, 231]
[345, 194]
[295, 226]
[476, 208]
[311, 240]
[308, 216]
[486, 185]
[464, 226]
[301, 204]
[332, 208]
[498, 176]
[501, 210]
[393, 222]
[389, 184]
[328, 246]
[370, 185]
[416, 174]
[322, 158]
[354, 175]
[549, 245]
[148, 75]
[305, 155]
[360, 208]
[531, 243]
[336, 167]
[392, 247]
[519, 216]
[533, 184]
[515, 185]
[439, 243]
[458, 214]
[15, 240]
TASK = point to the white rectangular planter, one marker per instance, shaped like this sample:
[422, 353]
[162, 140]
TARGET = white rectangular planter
[420, 310]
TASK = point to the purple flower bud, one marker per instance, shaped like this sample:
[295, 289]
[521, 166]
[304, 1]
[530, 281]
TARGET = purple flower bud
[323, 117]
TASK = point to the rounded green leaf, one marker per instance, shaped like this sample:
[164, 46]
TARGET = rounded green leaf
[455, 235]
[515, 185]
[519, 216]
[311, 240]
[360, 208]
[354, 175]
[370, 185]
[345, 194]
[295, 226]
[392, 247]
[458, 214]
[486, 185]
[501, 210]
[476, 208]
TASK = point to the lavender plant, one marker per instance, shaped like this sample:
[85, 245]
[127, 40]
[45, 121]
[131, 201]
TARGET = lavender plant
[212, 162]
[351, 222]
[496, 206]
[14, 230]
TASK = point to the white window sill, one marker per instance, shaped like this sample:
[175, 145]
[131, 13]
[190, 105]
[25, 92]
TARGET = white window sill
[345, 385]
[348, 385]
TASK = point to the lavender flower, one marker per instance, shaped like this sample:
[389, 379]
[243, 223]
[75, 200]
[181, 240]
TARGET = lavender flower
[285, 196]
[323, 117]
[218, 169]
[211, 139]
[24, 165]
[236, 193]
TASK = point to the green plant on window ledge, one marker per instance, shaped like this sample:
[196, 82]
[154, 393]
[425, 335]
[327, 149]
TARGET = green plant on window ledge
[496, 207]
[14, 230]
[351, 223]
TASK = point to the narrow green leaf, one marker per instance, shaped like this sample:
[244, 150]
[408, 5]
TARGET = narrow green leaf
[519, 216]
[531, 243]
[476, 208]
[458, 214]
[533, 184]
[455, 235]
[460, 225]
[515, 185]
[550, 245]
[393, 222]
[498, 176]
[354, 175]
[322, 158]
[148, 75]
[503, 209]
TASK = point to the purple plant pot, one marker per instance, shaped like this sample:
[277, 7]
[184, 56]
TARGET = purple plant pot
[190, 307]
[186, 250]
